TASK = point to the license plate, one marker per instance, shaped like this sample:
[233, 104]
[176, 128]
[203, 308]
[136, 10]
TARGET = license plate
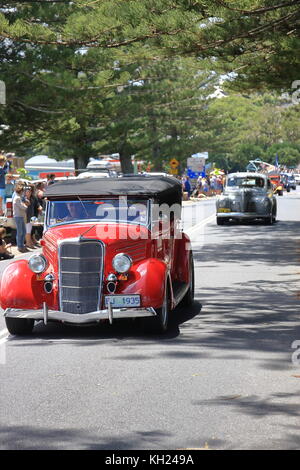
[223, 210]
[120, 301]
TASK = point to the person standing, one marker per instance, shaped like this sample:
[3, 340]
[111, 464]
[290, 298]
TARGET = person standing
[187, 186]
[9, 186]
[20, 205]
[33, 210]
[4, 168]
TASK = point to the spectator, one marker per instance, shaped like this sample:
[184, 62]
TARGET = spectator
[10, 157]
[20, 205]
[9, 187]
[205, 185]
[32, 211]
[4, 253]
[187, 186]
[39, 191]
[50, 179]
[4, 168]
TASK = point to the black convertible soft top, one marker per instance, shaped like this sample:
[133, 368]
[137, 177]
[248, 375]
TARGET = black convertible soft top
[165, 189]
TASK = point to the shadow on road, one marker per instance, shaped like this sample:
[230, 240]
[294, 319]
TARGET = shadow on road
[39, 438]
[272, 245]
[92, 334]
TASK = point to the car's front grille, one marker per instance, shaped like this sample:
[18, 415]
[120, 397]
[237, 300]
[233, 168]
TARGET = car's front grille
[80, 275]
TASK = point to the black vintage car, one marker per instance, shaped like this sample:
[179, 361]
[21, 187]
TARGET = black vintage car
[246, 196]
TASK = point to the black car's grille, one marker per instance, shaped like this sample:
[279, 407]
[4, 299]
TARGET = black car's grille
[80, 268]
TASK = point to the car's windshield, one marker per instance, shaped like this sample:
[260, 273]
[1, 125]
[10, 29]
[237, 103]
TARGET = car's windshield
[246, 181]
[98, 210]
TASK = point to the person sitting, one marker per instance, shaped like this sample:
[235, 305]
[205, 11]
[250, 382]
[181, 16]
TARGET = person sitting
[4, 253]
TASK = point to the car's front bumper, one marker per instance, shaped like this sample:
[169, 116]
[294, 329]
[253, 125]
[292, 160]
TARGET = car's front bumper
[93, 317]
[242, 215]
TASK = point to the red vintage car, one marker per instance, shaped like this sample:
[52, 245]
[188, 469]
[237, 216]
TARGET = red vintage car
[112, 248]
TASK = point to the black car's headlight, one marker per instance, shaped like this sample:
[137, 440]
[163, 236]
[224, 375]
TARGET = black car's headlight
[37, 263]
[122, 263]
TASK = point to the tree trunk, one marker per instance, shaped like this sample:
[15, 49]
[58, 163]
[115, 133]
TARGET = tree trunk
[126, 164]
[80, 162]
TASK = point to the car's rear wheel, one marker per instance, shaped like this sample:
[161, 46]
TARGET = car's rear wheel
[188, 299]
[280, 193]
[19, 326]
[160, 322]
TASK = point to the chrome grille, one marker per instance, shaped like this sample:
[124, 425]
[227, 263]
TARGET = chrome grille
[80, 275]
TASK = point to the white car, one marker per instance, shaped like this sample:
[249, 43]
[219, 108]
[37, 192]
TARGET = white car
[297, 178]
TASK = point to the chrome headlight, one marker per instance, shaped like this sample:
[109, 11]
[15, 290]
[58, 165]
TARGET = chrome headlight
[122, 263]
[37, 263]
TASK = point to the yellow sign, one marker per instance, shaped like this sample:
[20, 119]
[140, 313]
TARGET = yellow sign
[174, 163]
[174, 171]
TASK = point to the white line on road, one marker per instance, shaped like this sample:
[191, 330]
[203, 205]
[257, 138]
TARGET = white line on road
[206, 221]
[3, 333]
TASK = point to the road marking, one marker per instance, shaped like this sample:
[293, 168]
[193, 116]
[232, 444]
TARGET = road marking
[3, 333]
[206, 221]
[3, 340]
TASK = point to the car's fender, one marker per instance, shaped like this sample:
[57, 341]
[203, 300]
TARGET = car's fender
[20, 287]
[148, 279]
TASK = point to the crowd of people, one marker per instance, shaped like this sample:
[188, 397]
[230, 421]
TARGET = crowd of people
[204, 185]
[27, 205]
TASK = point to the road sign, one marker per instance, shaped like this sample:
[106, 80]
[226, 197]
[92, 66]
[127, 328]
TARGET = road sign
[174, 163]
[174, 171]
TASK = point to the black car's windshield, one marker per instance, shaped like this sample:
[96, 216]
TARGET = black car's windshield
[99, 210]
[246, 181]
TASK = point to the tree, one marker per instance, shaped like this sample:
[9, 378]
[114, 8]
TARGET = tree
[257, 39]
[255, 126]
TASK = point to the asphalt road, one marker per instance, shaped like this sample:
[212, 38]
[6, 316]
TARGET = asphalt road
[223, 377]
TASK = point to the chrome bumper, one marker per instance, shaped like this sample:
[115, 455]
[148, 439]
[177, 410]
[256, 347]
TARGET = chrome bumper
[242, 215]
[92, 317]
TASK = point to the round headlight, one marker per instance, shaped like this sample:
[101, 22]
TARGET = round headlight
[122, 263]
[37, 263]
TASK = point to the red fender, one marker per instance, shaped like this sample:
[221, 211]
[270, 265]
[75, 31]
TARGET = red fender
[147, 278]
[20, 288]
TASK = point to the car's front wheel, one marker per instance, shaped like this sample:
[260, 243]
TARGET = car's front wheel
[160, 322]
[220, 221]
[19, 326]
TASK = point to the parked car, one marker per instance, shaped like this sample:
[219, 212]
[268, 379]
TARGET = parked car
[112, 248]
[297, 178]
[246, 196]
[95, 173]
